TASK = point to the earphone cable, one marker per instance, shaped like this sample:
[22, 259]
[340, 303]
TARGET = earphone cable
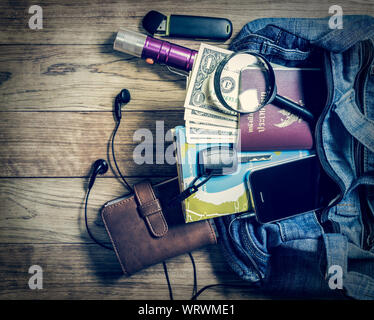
[225, 285]
[114, 158]
[194, 290]
[168, 280]
[111, 248]
[131, 190]
[87, 227]
[253, 285]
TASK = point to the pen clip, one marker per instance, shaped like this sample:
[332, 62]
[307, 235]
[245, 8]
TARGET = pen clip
[178, 72]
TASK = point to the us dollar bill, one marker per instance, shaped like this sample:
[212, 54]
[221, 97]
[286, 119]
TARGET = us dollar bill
[206, 133]
[198, 124]
[219, 139]
[204, 117]
[200, 94]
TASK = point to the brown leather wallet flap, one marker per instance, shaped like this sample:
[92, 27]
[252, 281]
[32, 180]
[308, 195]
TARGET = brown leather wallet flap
[150, 209]
[135, 225]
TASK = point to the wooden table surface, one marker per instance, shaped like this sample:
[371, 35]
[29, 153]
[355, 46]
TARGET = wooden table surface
[57, 87]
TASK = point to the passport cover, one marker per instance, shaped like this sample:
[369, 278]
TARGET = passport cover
[273, 128]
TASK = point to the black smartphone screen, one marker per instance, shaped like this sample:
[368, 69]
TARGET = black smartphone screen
[291, 188]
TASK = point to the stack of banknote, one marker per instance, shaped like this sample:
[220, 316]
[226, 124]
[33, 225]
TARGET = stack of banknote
[207, 121]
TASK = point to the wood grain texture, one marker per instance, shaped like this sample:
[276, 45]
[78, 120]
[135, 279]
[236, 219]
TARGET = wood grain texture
[41, 222]
[57, 87]
[90, 272]
[52, 210]
[65, 144]
[56, 78]
[94, 21]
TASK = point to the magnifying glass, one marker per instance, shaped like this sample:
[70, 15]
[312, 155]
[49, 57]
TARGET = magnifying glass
[244, 82]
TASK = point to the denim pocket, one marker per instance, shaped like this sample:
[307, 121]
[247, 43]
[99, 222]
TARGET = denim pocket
[257, 239]
[347, 215]
[278, 45]
[303, 226]
[348, 207]
[272, 50]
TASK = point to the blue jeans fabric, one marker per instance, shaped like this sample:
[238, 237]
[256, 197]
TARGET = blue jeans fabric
[294, 255]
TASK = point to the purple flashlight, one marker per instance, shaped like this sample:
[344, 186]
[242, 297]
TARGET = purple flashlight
[154, 50]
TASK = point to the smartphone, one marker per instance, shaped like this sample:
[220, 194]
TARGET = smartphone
[284, 190]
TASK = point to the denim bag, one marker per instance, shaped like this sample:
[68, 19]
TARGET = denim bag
[329, 253]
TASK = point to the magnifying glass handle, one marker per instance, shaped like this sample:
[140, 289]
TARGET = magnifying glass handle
[294, 108]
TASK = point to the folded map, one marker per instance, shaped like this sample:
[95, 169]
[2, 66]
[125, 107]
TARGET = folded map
[221, 195]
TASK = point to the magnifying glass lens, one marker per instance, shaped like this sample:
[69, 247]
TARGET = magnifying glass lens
[242, 83]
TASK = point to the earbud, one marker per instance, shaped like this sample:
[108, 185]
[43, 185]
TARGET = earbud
[122, 98]
[100, 166]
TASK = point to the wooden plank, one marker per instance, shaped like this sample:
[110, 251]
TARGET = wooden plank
[94, 22]
[41, 222]
[56, 78]
[90, 272]
[51, 210]
[65, 144]
[39, 217]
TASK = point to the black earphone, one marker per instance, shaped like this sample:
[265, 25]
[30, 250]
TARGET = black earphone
[122, 98]
[100, 166]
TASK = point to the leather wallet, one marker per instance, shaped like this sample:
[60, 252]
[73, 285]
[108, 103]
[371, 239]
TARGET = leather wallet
[145, 230]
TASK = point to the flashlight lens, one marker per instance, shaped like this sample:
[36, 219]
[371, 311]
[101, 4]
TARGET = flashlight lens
[130, 42]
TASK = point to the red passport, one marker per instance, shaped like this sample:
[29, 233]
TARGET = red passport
[273, 128]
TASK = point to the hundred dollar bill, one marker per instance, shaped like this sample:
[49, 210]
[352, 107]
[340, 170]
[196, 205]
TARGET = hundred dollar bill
[199, 94]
